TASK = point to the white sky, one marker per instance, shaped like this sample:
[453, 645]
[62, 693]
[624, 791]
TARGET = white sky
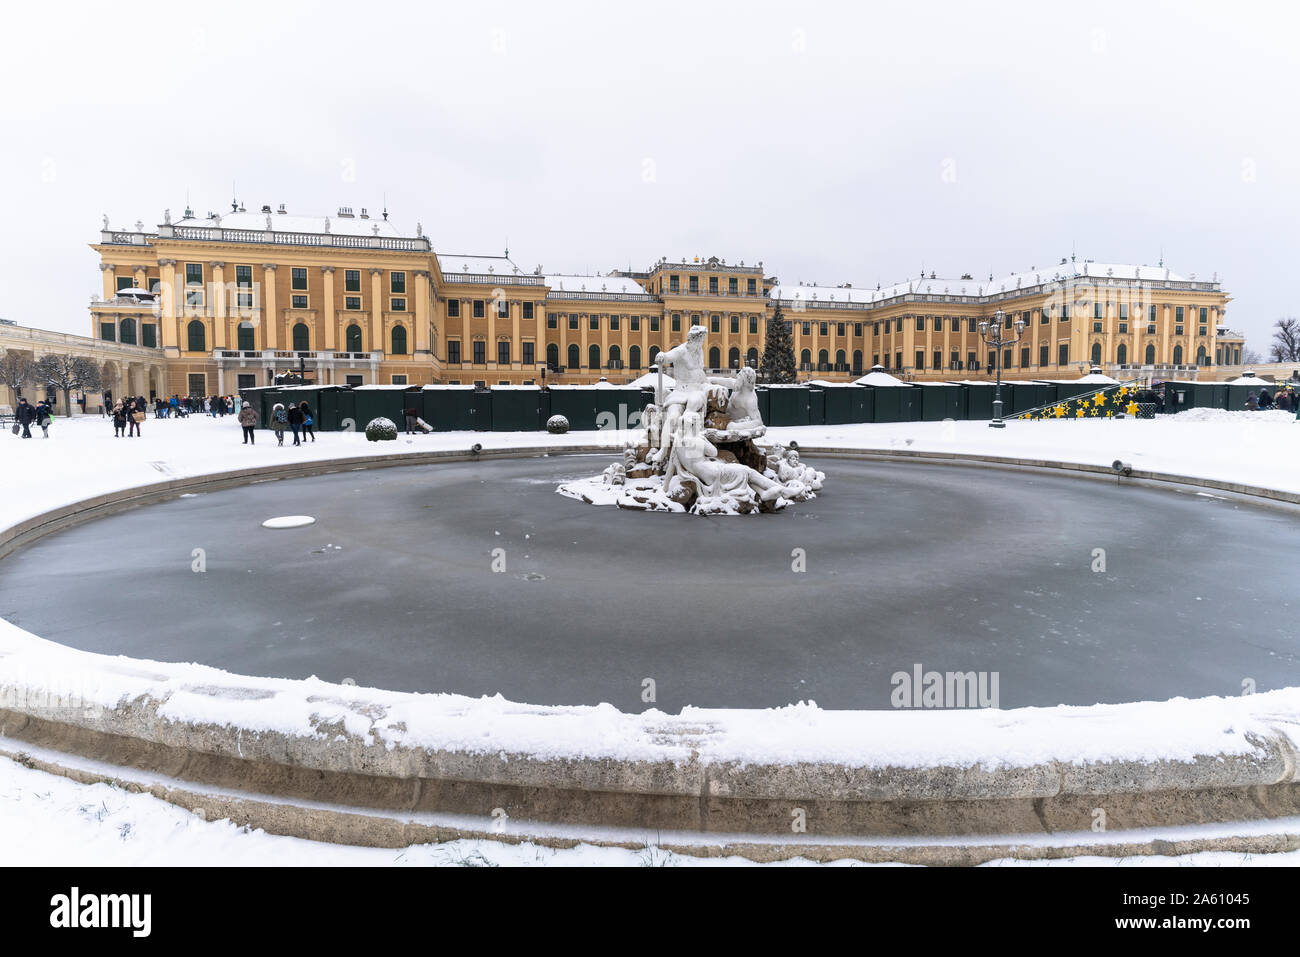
[815, 137]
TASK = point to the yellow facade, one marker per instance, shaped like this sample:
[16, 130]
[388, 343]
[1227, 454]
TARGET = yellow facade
[240, 298]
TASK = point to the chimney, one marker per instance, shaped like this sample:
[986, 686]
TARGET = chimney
[281, 210]
[364, 214]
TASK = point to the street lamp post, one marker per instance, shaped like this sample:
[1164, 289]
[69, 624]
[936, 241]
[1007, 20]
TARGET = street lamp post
[992, 334]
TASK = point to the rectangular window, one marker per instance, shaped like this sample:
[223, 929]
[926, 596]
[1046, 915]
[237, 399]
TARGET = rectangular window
[552, 321]
[397, 305]
[478, 308]
[453, 308]
[1063, 354]
[352, 280]
[1045, 316]
[1096, 327]
[956, 324]
[351, 302]
[887, 322]
[970, 324]
[1201, 331]
[938, 360]
[613, 323]
[503, 309]
[733, 286]
[298, 302]
[1178, 314]
[399, 379]
[593, 322]
[857, 329]
[806, 328]
[920, 323]
[713, 285]
[297, 277]
[920, 359]
[1151, 314]
[453, 352]
[1123, 310]
[1024, 358]
[1178, 330]
[573, 321]
[530, 357]
[1123, 327]
[244, 287]
[1065, 313]
[127, 282]
[359, 380]
[108, 332]
[149, 336]
[198, 383]
[674, 284]
[938, 327]
[528, 310]
[503, 352]
[694, 284]
[822, 329]
[654, 323]
[1043, 355]
[1096, 311]
[735, 325]
[1151, 328]
[677, 322]
[955, 360]
[898, 360]
[971, 361]
[1006, 359]
[634, 323]
[480, 352]
[750, 288]
[715, 323]
[1204, 315]
[397, 283]
[194, 274]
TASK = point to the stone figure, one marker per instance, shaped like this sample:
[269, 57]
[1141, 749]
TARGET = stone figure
[695, 459]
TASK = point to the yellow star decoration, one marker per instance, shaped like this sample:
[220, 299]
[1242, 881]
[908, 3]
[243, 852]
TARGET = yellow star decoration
[1123, 391]
[1109, 413]
[1059, 411]
[1099, 400]
[1081, 413]
[1131, 408]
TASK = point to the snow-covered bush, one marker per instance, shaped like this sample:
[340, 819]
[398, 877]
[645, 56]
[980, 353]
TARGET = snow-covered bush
[381, 430]
[557, 425]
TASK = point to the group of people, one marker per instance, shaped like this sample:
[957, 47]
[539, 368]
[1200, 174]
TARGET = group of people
[178, 406]
[128, 414]
[26, 414]
[1284, 400]
[297, 419]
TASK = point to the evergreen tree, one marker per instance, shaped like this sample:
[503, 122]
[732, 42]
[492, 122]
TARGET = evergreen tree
[777, 364]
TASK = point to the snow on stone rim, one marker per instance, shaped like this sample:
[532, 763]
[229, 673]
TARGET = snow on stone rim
[289, 521]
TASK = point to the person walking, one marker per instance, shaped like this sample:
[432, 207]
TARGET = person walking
[119, 420]
[1265, 400]
[44, 417]
[279, 422]
[308, 422]
[411, 416]
[135, 415]
[248, 421]
[295, 421]
[25, 414]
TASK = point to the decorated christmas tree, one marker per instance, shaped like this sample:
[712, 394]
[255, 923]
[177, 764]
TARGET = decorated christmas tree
[778, 351]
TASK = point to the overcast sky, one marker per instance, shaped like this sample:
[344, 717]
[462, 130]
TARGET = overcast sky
[836, 142]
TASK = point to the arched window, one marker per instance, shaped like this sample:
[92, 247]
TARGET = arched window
[805, 359]
[654, 351]
[839, 359]
[857, 360]
[197, 336]
[553, 356]
[1178, 355]
[1121, 354]
[593, 357]
[126, 332]
[634, 357]
[1151, 354]
[733, 358]
[352, 338]
[715, 358]
[244, 337]
[1096, 353]
[1201, 358]
[823, 360]
[399, 340]
[751, 358]
[615, 357]
[574, 357]
[301, 337]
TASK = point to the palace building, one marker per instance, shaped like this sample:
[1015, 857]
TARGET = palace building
[233, 300]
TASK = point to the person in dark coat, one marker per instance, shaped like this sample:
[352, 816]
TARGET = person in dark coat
[295, 422]
[1265, 400]
[279, 422]
[133, 408]
[44, 416]
[248, 421]
[119, 420]
[26, 415]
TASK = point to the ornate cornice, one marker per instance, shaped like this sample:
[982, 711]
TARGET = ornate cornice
[217, 265]
[166, 262]
[105, 267]
[270, 267]
[376, 271]
[327, 269]
[421, 274]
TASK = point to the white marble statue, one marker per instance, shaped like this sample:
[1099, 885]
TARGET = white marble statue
[695, 459]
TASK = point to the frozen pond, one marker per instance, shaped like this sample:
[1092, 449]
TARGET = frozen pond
[950, 568]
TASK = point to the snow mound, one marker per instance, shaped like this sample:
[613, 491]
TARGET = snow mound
[289, 521]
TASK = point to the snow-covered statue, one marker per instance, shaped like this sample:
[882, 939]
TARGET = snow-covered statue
[694, 449]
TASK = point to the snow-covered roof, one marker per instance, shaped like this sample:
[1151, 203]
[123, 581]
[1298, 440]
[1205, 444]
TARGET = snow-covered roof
[878, 377]
[440, 385]
[1249, 378]
[941, 286]
[285, 223]
[379, 388]
[616, 285]
[477, 265]
[603, 385]
[650, 381]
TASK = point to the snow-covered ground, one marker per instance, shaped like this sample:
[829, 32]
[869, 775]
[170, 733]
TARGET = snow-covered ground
[47, 819]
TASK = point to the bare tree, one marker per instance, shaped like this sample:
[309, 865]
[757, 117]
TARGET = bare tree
[16, 370]
[1249, 357]
[68, 372]
[1285, 346]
